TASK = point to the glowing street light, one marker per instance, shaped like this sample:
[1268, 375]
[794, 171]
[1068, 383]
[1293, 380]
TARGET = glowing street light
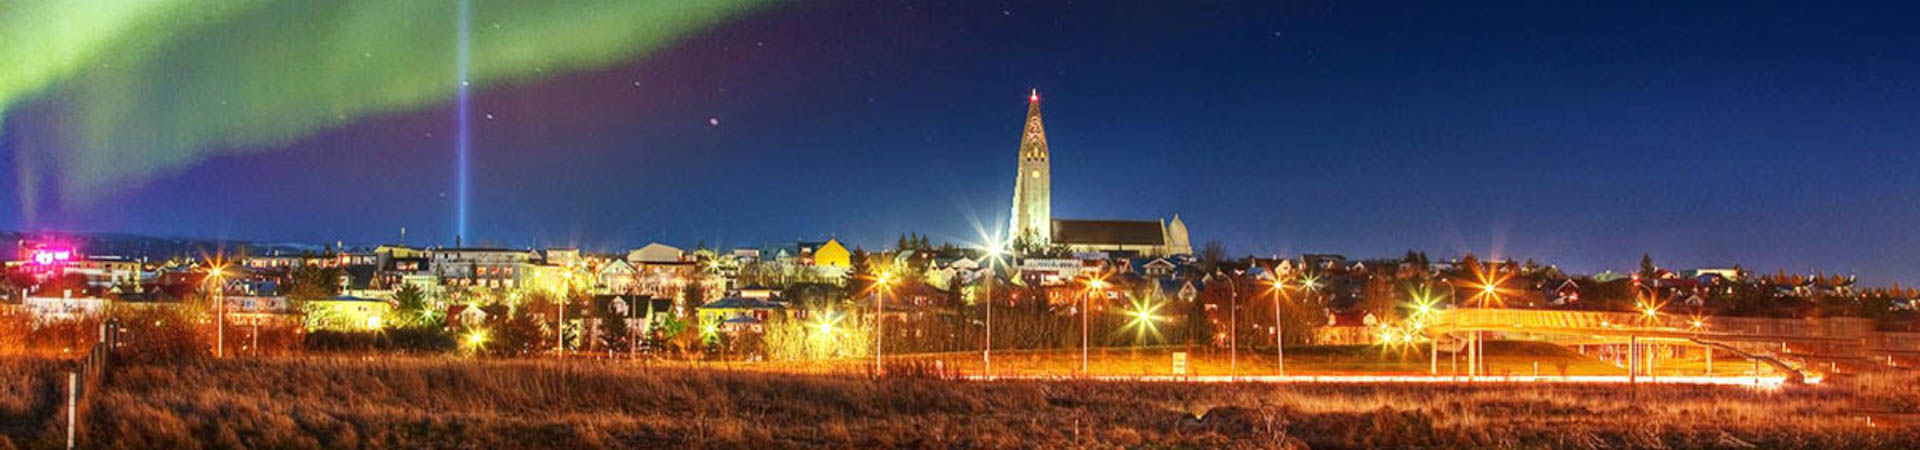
[994, 250]
[1143, 316]
[217, 275]
[825, 327]
[1489, 283]
[879, 319]
[1094, 285]
[476, 340]
[1424, 302]
[1279, 328]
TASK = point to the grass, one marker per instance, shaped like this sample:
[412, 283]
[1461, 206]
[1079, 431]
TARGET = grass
[413, 402]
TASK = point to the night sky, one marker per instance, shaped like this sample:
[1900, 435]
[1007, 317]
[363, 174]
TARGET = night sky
[1768, 134]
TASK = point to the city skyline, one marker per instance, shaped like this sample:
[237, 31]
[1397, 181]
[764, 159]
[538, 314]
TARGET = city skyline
[1276, 129]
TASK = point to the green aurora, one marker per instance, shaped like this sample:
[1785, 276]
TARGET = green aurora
[147, 87]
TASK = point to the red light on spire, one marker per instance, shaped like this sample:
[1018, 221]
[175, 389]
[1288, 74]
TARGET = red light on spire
[1034, 97]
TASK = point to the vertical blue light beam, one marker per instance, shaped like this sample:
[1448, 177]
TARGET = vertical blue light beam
[463, 141]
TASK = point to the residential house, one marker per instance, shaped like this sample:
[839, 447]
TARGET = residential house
[64, 307]
[346, 313]
[739, 314]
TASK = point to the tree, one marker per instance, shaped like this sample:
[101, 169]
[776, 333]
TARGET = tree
[861, 273]
[1212, 255]
[614, 335]
[1647, 269]
[313, 282]
[1381, 296]
[1418, 259]
[412, 307]
[693, 295]
[517, 333]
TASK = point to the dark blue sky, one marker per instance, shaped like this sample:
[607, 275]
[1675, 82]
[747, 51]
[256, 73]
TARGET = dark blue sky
[1774, 135]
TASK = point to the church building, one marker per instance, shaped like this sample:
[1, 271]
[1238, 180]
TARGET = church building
[1032, 218]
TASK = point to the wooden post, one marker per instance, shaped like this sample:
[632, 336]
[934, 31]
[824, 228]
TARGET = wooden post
[73, 404]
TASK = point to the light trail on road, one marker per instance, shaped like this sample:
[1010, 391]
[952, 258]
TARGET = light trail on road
[1764, 382]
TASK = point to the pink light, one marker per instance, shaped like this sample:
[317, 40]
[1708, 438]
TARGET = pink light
[48, 257]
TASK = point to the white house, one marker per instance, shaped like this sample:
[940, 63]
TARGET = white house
[656, 253]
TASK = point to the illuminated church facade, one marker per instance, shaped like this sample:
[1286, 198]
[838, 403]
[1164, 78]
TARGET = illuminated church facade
[1032, 215]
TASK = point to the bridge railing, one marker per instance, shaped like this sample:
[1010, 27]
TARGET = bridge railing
[1832, 327]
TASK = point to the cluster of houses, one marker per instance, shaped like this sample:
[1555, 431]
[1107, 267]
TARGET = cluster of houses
[738, 290]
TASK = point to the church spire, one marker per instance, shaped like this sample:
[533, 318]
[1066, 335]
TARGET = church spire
[1032, 188]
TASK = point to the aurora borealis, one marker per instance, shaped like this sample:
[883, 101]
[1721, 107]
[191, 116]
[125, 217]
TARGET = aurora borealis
[1704, 134]
[148, 87]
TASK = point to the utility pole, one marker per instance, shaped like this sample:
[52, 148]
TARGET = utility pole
[1279, 333]
[988, 288]
[1233, 328]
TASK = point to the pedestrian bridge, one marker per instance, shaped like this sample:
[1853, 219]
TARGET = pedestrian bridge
[1828, 343]
[1660, 326]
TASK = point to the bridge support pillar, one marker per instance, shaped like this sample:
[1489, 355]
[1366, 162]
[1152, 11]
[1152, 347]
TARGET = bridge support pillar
[1433, 356]
[1653, 355]
[1633, 359]
[1709, 351]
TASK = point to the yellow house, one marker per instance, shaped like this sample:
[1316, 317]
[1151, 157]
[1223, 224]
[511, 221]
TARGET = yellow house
[832, 254]
[347, 313]
[738, 314]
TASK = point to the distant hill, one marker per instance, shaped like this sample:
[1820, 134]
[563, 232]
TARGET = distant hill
[149, 247]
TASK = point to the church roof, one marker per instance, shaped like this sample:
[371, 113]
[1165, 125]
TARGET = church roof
[1108, 232]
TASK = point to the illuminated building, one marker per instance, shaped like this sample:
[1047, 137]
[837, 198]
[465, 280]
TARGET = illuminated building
[1033, 184]
[1032, 215]
[479, 267]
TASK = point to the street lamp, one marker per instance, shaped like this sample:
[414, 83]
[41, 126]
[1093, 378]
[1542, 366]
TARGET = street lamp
[1233, 328]
[1086, 300]
[1490, 290]
[1279, 327]
[879, 319]
[560, 327]
[218, 274]
[994, 251]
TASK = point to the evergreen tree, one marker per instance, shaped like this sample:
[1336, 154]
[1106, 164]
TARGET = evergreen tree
[614, 335]
[1647, 269]
[693, 295]
[517, 333]
[412, 306]
[861, 274]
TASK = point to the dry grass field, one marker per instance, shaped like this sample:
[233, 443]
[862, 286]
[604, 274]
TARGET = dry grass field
[384, 402]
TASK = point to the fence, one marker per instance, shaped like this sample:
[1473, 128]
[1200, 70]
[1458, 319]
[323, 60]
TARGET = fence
[88, 375]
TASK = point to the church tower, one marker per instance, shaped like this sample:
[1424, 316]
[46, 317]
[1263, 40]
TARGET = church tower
[1032, 186]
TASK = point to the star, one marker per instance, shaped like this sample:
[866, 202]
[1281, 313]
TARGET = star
[713, 121]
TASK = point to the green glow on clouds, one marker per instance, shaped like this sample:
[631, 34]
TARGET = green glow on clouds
[153, 86]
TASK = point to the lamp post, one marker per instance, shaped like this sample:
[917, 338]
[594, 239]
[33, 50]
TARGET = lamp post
[993, 258]
[560, 327]
[1490, 281]
[879, 319]
[1233, 328]
[1279, 328]
[1086, 305]
[218, 275]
